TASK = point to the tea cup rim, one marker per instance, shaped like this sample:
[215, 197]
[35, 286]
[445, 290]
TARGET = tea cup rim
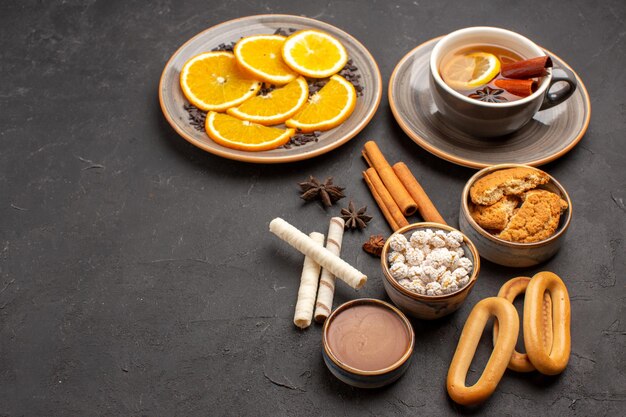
[434, 70]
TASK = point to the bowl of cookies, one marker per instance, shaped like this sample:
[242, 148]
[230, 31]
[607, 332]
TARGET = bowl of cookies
[429, 269]
[516, 215]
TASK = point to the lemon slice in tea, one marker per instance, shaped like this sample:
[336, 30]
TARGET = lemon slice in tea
[465, 72]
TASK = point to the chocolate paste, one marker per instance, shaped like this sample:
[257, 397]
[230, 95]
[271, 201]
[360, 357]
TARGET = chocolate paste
[368, 337]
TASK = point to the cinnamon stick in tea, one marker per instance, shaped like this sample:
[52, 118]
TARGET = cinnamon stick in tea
[425, 206]
[521, 88]
[375, 159]
[529, 68]
[383, 198]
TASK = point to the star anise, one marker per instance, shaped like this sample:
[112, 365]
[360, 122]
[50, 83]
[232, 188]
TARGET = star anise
[374, 245]
[327, 192]
[489, 95]
[355, 219]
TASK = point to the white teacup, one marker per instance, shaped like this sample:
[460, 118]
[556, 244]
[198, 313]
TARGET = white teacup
[494, 119]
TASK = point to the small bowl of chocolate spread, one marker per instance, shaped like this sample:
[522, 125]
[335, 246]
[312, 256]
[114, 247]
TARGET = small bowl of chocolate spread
[367, 343]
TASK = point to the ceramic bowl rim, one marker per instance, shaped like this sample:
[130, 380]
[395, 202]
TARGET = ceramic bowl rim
[423, 297]
[372, 301]
[465, 207]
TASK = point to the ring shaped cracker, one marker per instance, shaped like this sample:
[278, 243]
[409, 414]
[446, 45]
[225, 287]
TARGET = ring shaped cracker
[510, 290]
[507, 316]
[553, 360]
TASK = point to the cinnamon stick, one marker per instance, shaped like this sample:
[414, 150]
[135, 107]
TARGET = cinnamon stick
[375, 159]
[529, 68]
[425, 206]
[521, 88]
[383, 198]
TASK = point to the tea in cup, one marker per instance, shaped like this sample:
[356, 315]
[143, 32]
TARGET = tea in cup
[490, 82]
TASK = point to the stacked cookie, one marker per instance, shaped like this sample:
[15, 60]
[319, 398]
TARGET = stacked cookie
[509, 204]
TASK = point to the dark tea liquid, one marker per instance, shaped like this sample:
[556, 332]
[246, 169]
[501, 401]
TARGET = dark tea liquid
[506, 56]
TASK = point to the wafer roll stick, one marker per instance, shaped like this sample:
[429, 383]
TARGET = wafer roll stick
[427, 209]
[387, 205]
[337, 266]
[375, 159]
[308, 287]
[326, 289]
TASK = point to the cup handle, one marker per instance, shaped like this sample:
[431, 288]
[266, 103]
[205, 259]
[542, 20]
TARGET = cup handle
[552, 99]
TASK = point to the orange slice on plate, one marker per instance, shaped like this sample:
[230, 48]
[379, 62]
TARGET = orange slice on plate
[261, 56]
[243, 135]
[327, 108]
[465, 72]
[274, 107]
[212, 81]
[314, 53]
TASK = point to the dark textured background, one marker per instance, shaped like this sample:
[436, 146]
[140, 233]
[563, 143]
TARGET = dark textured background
[137, 275]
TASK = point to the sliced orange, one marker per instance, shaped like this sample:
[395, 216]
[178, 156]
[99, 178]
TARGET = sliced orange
[327, 108]
[212, 81]
[261, 56]
[314, 53]
[464, 72]
[240, 134]
[274, 107]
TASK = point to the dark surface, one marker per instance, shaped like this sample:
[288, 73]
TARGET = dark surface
[137, 274]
